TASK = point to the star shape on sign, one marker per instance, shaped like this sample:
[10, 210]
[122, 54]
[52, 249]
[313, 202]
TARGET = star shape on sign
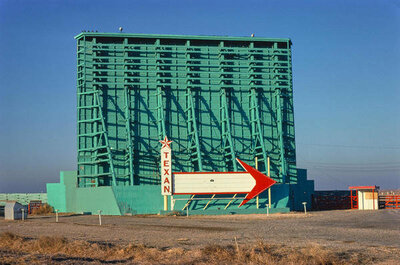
[165, 142]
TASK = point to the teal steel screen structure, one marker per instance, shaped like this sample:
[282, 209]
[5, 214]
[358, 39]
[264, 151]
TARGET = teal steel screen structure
[216, 98]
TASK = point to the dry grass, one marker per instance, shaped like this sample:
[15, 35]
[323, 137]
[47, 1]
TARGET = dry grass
[15, 249]
[43, 209]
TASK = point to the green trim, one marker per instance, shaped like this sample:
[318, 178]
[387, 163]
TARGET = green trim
[185, 37]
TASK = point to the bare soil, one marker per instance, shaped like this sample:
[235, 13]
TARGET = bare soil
[328, 237]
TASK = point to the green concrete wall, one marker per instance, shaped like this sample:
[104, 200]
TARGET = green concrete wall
[279, 203]
[139, 199]
[57, 196]
[57, 192]
[302, 192]
[91, 200]
[22, 198]
[146, 199]
[66, 197]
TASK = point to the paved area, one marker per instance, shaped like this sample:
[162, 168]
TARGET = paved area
[350, 229]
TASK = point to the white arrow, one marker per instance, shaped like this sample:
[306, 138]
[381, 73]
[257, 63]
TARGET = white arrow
[252, 182]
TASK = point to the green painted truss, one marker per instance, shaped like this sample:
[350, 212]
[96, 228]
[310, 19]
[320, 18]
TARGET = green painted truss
[216, 98]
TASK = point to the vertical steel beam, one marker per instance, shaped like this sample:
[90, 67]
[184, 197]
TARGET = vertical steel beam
[280, 130]
[159, 93]
[226, 130]
[108, 148]
[96, 128]
[128, 116]
[226, 135]
[194, 142]
[255, 121]
[279, 118]
[81, 79]
[291, 155]
[87, 124]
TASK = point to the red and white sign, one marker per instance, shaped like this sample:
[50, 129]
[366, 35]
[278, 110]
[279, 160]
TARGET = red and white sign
[252, 182]
[166, 167]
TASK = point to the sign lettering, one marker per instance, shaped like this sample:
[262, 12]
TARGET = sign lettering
[166, 188]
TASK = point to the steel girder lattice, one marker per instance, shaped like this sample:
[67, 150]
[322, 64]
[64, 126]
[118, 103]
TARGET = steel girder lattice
[217, 98]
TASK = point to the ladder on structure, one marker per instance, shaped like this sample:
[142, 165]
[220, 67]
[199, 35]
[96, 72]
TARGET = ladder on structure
[93, 128]
[194, 141]
[257, 135]
[226, 135]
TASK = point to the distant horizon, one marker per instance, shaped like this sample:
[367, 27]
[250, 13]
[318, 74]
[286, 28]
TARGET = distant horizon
[346, 65]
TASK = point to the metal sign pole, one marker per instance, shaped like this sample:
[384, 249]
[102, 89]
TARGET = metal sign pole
[269, 189]
[165, 202]
[257, 199]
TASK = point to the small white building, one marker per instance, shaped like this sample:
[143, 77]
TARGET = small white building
[364, 197]
[15, 211]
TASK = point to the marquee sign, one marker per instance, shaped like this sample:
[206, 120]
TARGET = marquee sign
[251, 182]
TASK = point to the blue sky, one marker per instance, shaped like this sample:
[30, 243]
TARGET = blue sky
[345, 68]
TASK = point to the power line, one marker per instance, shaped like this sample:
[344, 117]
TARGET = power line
[367, 163]
[352, 146]
[357, 169]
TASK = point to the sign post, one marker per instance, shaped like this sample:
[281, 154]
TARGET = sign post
[166, 171]
[269, 189]
[257, 200]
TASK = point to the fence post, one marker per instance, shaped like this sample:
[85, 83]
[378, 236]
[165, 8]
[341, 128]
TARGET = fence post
[305, 208]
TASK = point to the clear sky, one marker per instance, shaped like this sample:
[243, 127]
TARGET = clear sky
[345, 66]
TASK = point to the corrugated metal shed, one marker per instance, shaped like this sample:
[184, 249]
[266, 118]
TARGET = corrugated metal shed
[15, 211]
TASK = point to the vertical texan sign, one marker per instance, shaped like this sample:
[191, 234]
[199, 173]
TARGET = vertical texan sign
[166, 174]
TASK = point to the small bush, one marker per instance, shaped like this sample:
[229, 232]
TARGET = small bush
[51, 244]
[43, 209]
[8, 236]
[176, 213]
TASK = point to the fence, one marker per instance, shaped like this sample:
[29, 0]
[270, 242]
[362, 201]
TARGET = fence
[389, 201]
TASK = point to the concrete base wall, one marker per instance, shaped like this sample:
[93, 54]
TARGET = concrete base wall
[147, 199]
[22, 198]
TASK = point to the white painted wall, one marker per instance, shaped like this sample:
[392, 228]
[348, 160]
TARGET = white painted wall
[211, 183]
[367, 200]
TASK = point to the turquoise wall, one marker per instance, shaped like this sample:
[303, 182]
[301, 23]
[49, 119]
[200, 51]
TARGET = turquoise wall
[57, 196]
[146, 199]
[22, 198]
[57, 192]
[91, 200]
[139, 199]
[301, 192]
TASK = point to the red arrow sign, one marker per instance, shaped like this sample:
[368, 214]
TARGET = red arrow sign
[262, 182]
[252, 182]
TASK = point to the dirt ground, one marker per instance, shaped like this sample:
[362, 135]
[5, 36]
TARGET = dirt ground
[373, 234]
